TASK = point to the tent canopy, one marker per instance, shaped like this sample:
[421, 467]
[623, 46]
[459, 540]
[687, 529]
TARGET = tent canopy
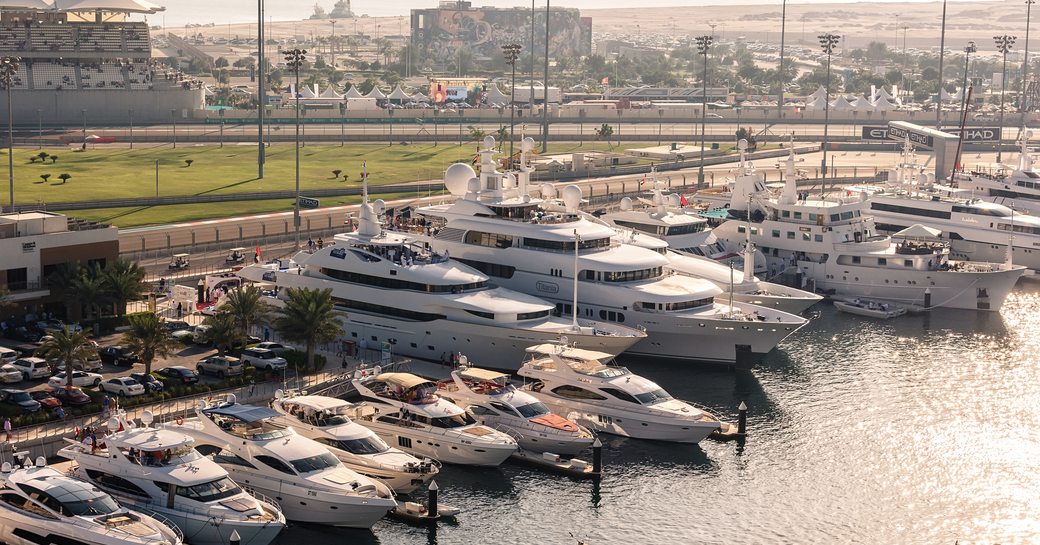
[330, 92]
[134, 6]
[918, 231]
[353, 92]
[841, 105]
[398, 94]
[820, 92]
[817, 103]
[376, 94]
[419, 97]
[862, 104]
[26, 4]
[884, 105]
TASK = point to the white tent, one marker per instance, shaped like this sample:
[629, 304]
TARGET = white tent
[884, 105]
[861, 104]
[496, 96]
[958, 95]
[306, 91]
[882, 94]
[330, 92]
[353, 92]
[420, 97]
[840, 104]
[376, 94]
[946, 96]
[918, 231]
[25, 4]
[133, 6]
[398, 94]
[819, 93]
[818, 103]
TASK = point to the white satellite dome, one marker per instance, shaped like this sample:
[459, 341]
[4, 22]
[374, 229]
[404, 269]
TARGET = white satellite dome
[379, 206]
[508, 181]
[571, 197]
[473, 185]
[548, 191]
[673, 200]
[457, 177]
[527, 144]
[489, 142]
[626, 204]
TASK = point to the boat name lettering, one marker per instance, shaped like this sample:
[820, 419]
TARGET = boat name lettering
[547, 287]
[584, 380]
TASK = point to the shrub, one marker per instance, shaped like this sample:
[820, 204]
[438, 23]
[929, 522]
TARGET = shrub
[45, 177]
[54, 159]
[43, 155]
[189, 161]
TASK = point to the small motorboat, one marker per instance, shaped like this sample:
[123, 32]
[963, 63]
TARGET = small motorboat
[870, 309]
[411, 511]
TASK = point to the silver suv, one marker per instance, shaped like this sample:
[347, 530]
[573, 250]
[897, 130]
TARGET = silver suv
[32, 368]
[222, 366]
[262, 358]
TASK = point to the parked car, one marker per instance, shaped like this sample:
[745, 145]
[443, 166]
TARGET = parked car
[10, 374]
[179, 372]
[46, 399]
[70, 395]
[32, 368]
[118, 355]
[149, 382]
[20, 399]
[122, 386]
[223, 366]
[93, 364]
[79, 378]
[277, 348]
[262, 358]
[54, 326]
[199, 334]
[24, 334]
[7, 355]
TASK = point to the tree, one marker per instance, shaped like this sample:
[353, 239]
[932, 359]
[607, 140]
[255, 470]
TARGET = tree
[477, 134]
[309, 318]
[45, 177]
[124, 282]
[64, 347]
[149, 338]
[604, 133]
[222, 331]
[221, 62]
[336, 173]
[89, 289]
[64, 177]
[247, 306]
[54, 159]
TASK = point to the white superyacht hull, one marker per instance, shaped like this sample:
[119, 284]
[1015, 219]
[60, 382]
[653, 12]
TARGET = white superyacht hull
[971, 243]
[602, 420]
[446, 450]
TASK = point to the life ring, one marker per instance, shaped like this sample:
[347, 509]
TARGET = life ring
[180, 420]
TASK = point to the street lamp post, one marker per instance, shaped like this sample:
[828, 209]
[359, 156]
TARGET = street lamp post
[1025, 62]
[39, 127]
[131, 112]
[1004, 44]
[332, 43]
[261, 92]
[221, 128]
[83, 113]
[461, 113]
[827, 43]
[780, 69]
[545, 86]
[294, 59]
[942, 54]
[703, 46]
[391, 137]
[8, 68]
[968, 50]
[512, 53]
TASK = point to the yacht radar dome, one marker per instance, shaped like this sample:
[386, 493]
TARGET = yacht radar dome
[113, 424]
[742, 144]
[473, 185]
[548, 191]
[379, 206]
[527, 144]
[147, 417]
[457, 177]
[41, 461]
[572, 197]
[626, 204]
[489, 142]
[674, 201]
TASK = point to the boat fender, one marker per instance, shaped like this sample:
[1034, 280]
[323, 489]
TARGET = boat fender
[180, 420]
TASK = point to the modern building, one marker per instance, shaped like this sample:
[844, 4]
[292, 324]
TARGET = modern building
[439, 33]
[35, 244]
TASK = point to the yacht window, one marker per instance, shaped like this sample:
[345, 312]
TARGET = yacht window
[741, 229]
[318, 462]
[364, 256]
[207, 450]
[908, 263]
[818, 238]
[274, 463]
[883, 261]
[532, 315]
[397, 284]
[113, 482]
[630, 276]
[226, 457]
[655, 396]
[806, 236]
[899, 209]
[554, 245]
[532, 410]
[492, 240]
[855, 259]
[216, 490]
[685, 229]
[360, 446]
[785, 213]
[790, 235]
[457, 421]
[846, 215]
[488, 315]
[623, 396]
[481, 410]
[776, 233]
[835, 217]
[797, 215]
[490, 269]
[20, 503]
[573, 392]
[812, 217]
[74, 500]
[504, 408]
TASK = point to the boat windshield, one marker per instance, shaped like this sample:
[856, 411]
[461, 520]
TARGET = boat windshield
[318, 462]
[75, 500]
[362, 445]
[532, 410]
[655, 396]
[595, 369]
[206, 492]
[457, 421]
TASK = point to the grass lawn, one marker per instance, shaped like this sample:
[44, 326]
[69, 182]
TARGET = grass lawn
[122, 173]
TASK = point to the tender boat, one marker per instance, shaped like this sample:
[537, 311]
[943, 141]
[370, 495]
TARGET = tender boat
[308, 481]
[325, 420]
[585, 386]
[494, 401]
[42, 507]
[159, 470]
[406, 411]
[870, 309]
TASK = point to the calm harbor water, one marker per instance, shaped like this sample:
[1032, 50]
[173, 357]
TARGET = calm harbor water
[923, 429]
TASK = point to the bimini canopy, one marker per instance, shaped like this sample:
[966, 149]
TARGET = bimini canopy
[129, 6]
[404, 380]
[245, 413]
[918, 231]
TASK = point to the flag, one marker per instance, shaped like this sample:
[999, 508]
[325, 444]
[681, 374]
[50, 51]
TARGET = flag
[258, 252]
[682, 200]
[643, 181]
[605, 80]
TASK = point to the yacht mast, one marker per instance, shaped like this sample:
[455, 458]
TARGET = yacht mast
[749, 253]
[574, 295]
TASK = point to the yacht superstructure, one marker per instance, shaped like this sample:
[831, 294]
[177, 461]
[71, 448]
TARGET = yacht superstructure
[1017, 187]
[324, 419]
[585, 386]
[496, 227]
[159, 470]
[391, 289]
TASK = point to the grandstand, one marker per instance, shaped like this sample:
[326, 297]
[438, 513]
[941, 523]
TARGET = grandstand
[78, 54]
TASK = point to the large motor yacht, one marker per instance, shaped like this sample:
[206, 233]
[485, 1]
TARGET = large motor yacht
[159, 470]
[1016, 186]
[390, 289]
[585, 386]
[496, 227]
[493, 400]
[833, 243]
[325, 420]
[308, 481]
[406, 411]
[42, 506]
[978, 230]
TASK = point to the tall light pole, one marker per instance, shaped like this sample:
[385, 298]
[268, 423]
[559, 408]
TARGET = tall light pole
[8, 68]
[1004, 44]
[545, 86]
[173, 115]
[131, 112]
[83, 112]
[827, 43]
[512, 53]
[294, 59]
[703, 46]
[780, 70]
[530, 82]
[902, 71]
[39, 127]
[968, 50]
[332, 43]
[261, 92]
[1025, 62]
[942, 54]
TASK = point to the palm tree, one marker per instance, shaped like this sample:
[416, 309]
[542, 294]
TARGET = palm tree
[90, 290]
[247, 307]
[308, 318]
[222, 331]
[63, 281]
[149, 338]
[124, 282]
[65, 347]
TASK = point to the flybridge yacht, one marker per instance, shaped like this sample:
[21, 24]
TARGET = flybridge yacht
[683, 234]
[1017, 187]
[833, 243]
[42, 506]
[978, 230]
[406, 411]
[585, 386]
[325, 420]
[492, 399]
[391, 289]
[159, 470]
[496, 227]
[308, 481]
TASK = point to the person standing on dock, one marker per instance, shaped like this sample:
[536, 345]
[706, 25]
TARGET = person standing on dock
[7, 428]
